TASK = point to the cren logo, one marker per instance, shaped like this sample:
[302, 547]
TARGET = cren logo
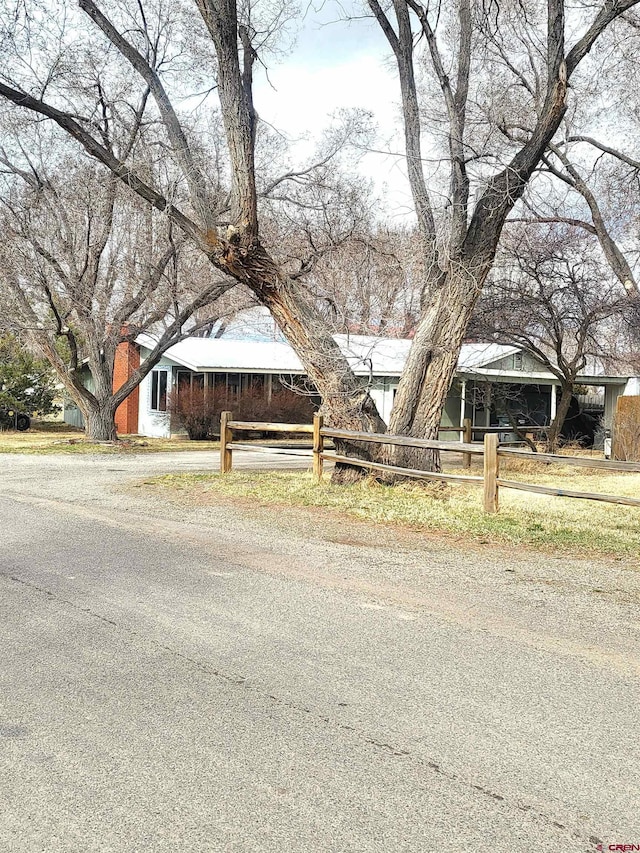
[622, 848]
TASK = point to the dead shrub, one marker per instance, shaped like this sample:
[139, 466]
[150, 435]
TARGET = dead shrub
[285, 406]
[198, 410]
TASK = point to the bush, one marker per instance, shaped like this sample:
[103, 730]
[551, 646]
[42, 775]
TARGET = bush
[27, 384]
[285, 406]
[197, 410]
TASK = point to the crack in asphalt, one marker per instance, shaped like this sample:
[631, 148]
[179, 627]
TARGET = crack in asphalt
[360, 734]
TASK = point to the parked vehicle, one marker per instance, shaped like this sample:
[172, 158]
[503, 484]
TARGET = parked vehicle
[10, 419]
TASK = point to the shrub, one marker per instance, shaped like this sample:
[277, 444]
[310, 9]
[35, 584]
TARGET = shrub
[285, 406]
[27, 384]
[197, 410]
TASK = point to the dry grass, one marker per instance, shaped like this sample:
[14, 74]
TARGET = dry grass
[547, 523]
[564, 476]
[60, 438]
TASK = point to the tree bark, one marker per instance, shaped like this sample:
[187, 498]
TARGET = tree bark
[431, 366]
[346, 402]
[99, 423]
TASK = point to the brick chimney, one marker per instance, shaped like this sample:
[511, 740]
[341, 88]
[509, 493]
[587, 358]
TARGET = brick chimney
[126, 361]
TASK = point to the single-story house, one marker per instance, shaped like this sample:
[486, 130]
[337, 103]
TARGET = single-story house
[486, 376]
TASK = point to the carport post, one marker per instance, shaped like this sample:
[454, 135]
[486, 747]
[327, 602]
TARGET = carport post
[491, 472]
[467, 437]
[318, 446]
[226, 438]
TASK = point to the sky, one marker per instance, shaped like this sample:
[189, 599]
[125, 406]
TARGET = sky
[335, 65]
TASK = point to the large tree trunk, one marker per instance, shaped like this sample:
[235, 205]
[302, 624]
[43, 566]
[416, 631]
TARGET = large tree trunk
[346, 402]
[430, 369]
[100, 424]
[100, 409]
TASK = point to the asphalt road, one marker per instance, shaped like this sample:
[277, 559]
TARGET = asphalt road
[229, 678]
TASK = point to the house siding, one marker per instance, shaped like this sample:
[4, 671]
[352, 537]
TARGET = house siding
[151, 423]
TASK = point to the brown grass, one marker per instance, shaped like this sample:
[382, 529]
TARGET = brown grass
[56, 437]
[551, 524]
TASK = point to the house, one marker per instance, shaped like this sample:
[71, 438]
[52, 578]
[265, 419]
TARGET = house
[488, 377]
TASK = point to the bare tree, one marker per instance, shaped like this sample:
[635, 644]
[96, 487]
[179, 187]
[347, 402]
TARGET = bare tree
[496, 131]
[458, 246]
[550, 295]
[593, 197]
[371, 284]
[85, 268]
[589, 178]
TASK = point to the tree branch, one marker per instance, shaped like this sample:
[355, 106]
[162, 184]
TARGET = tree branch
[194, 177]
[105, 156]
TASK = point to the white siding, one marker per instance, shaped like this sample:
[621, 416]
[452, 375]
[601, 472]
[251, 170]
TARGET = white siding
[153, 424]
[382, 394]
[611, 394]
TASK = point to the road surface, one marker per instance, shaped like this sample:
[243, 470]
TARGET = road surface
[234, 678]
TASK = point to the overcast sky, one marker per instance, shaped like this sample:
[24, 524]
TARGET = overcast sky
[334, 65]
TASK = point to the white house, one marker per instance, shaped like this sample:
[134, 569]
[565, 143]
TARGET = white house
[251, 352]
[238, 364]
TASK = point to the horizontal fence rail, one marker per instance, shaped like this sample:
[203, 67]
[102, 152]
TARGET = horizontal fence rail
[567, 493]
[283, 451]
[490, 451]
[256, 426]
[579, 461]
[396, 469]
[401, 440]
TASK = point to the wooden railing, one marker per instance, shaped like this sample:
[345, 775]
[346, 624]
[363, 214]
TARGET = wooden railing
[560, 459]
[490, 451]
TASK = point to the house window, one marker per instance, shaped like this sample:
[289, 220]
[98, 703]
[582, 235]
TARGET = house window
[517, 361]
[189, 382]
[159, 390]
[234, 384]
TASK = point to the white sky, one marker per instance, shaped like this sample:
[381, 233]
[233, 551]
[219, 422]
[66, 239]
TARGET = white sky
[336, 65]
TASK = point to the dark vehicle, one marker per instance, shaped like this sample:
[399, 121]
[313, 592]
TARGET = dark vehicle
[9, 419]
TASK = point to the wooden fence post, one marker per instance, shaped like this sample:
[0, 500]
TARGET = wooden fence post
[226, 437]
[318, 446]
[491, 472]
[467, 437]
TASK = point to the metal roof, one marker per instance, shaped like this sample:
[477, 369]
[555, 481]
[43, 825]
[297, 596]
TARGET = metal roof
[228, 356]
[367, 356]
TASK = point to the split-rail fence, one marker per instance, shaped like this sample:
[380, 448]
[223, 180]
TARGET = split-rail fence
[490, 451]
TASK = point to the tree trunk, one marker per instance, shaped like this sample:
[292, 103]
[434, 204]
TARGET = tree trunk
[430, 369]
[100, 424]
[553, 436]
[346, 402]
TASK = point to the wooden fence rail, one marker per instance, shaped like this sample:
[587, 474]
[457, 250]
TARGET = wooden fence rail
[490, 451]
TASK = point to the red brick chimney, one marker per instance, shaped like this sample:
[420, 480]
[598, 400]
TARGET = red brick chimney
[127, 360]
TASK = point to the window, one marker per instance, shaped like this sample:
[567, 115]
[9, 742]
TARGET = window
[233, 385]
[189, 382]
[159, 390]
[517, 361]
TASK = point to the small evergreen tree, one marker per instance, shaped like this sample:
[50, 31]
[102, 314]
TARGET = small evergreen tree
[27, 384]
